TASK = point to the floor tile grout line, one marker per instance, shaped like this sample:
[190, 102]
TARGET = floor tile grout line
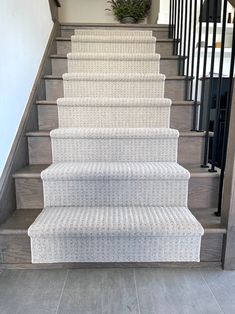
[62, 291]
[136, 292]
[205, 281]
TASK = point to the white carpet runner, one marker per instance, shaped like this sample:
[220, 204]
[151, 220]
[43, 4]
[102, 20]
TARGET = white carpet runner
[114, 192]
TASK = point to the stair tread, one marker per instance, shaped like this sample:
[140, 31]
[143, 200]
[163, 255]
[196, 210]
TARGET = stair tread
[34, 171]
[99, 133]
[20, 220]
[170, 78]
[115, 221]
[157, 40]
[115, 171]
[181, 133]
[64, 56]
[114, 25]
[174, 102]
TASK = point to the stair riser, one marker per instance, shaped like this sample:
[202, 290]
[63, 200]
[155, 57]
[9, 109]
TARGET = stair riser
[114, 150]
[15, 249]
[158, 33]
[190, 150]
[163, 48]
[167, 67]
[203, 192]
[181, 118]
[174, 89]
[126, 192]
[113, 47]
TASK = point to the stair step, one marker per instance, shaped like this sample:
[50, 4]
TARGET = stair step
[113, 85]
[113, 32]
[168, 65]
[114, 144]
[163, 46]
[15, 242]
[115, 184]
[113, 44]
[174, 87]
[190, 150]
[115, 234]
[158, 30]
[114, 112]
[181, 116]
[113, 63]
[203, 187]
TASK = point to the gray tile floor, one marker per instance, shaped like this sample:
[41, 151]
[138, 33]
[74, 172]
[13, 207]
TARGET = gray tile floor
[117, 291]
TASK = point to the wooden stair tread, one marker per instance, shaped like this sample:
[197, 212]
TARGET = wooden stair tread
[114, 25]
[64, 56]
[33, 171]
[21, 219]
[158, 40]
[174, 102]
[169, 78]
[182, 134]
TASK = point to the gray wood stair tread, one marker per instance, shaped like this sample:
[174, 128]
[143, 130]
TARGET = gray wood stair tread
[174, 102]
[64, 56]
[169, 78]
[114, 25]
[21, 219]
[158, 40]
[182, 133]
[33, 171]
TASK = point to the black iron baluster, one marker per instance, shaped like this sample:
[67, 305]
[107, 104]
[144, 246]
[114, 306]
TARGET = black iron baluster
[204, 64]
[189, 50]
[207, 133]
[181, 34]
[219, 87]
[178, 28]
[227, 120]
[174, 30]
[195, 109]
[170, 20]
[186, 30]
[193, 47]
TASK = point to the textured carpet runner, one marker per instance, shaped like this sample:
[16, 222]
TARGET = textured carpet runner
[115, 192]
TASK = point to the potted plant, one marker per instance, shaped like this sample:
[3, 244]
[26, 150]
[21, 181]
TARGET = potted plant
[129, 11]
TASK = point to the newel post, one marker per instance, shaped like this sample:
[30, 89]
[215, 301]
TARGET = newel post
[228, 201]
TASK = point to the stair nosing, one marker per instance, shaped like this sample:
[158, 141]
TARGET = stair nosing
[114, 25]
[158, 40]
[46, 133]
[168, 78]
[7, 231]
[174, 103]
[37, 174]
[64, 56]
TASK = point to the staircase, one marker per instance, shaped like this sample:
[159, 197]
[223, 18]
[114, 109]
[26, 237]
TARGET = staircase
[144, 203]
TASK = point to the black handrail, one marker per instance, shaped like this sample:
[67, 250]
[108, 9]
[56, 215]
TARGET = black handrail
[190, 22]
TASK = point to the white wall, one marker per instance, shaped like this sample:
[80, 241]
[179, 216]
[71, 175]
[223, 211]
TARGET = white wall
[85, 11]
[25, 29]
